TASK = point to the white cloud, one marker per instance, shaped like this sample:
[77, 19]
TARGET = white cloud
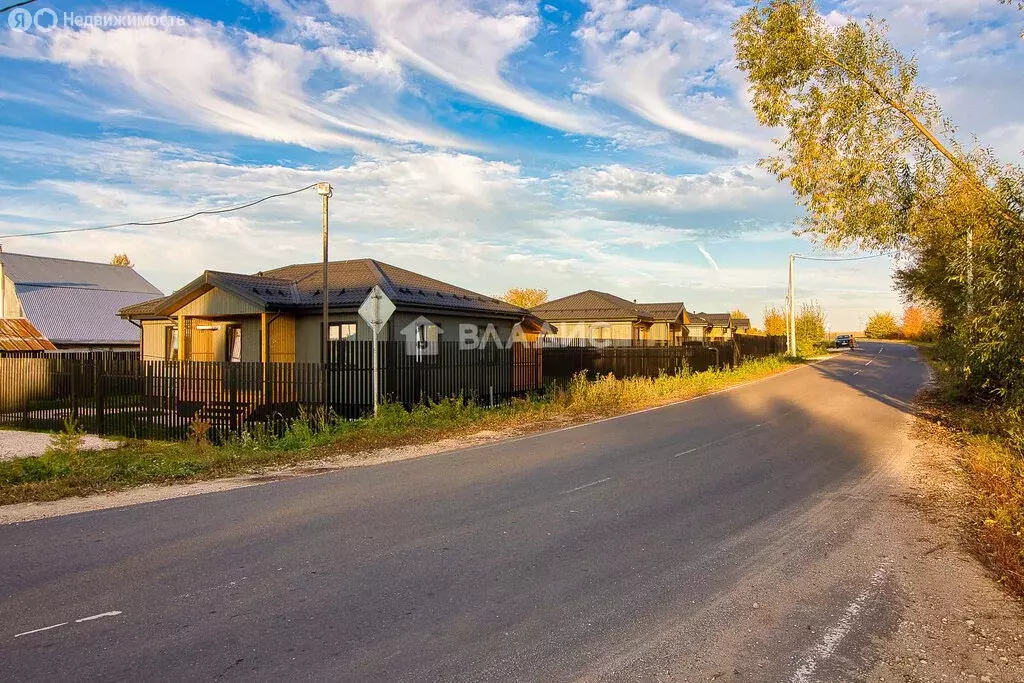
[665, 68]
[724, 188]
[207, 76]
[465, 47]
[707, 255]
[372, 64]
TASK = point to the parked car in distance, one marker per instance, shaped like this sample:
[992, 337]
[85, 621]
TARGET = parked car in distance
[844, 341]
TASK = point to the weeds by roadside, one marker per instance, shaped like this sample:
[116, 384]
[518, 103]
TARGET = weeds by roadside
[314, 435]
[991, 440]
[68, 441]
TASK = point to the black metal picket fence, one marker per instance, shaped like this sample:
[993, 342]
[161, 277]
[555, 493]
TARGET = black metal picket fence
[647, 360]
[129, 397]
[120, 394]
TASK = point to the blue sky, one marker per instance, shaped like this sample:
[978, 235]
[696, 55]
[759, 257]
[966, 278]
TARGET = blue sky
[565, 145]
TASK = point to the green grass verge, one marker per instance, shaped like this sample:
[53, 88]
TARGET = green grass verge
[63, 471]
[991, 440]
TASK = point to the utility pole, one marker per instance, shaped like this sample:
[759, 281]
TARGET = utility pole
[325, 191]
[791, 322]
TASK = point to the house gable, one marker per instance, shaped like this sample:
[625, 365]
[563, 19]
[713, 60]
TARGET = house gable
[216, 302]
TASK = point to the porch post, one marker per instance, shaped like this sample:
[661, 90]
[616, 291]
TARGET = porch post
[264, 338]
[182, 338]
[265, 355]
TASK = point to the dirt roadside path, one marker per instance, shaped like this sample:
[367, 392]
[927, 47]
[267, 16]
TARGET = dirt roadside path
[957, 624]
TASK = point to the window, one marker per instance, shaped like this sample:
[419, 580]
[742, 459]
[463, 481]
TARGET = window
[337, 352]
[171, 343]
[341, 332]
[233, 347]
[426, 341]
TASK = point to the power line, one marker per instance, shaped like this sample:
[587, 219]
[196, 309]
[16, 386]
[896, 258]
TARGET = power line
[16, 5]
[162, 221]
[851, 258]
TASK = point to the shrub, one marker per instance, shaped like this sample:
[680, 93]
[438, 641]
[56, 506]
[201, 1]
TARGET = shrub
[68, 441]
[199, 433]
[810, 329]
[882, 325]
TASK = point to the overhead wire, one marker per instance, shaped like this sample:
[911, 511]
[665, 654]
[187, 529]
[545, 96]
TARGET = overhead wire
[160, 221]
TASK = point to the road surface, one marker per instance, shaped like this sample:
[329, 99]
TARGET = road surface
[741, 536]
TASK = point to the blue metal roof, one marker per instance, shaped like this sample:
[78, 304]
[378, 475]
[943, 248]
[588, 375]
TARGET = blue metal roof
[23, 269]
[76, 302]
[73, 315]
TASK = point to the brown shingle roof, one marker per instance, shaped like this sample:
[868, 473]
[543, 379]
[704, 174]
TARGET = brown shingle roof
[300, 286]
[670, 311]
[716, 319]
[589, 305]
[600, 306]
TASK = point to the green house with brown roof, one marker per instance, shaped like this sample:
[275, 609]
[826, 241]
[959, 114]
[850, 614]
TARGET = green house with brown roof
[600, 316]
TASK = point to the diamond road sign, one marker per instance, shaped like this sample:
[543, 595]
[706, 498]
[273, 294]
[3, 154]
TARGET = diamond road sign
[377, 309]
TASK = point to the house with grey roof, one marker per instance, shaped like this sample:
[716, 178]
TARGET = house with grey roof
[600, 316]
[276, 315]
[73, 304]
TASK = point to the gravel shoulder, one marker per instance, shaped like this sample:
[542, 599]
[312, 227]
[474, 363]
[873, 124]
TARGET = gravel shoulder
[17, 444]
[957, 623]
[24, 512]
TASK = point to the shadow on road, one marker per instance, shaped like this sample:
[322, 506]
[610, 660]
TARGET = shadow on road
[609, 547]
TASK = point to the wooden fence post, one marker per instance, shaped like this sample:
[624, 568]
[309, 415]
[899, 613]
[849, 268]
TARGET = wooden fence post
[147, 397]
[72, 372]
[24, 400]
[97, 390]
[233, 392]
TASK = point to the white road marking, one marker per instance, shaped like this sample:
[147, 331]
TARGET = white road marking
[732, 436]
[38, 630]
[593, 483]
[97, 616]
[834, 636]
[65, 623]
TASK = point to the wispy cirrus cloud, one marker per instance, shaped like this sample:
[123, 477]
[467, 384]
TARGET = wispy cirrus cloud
[670, 68]
[467, 47]
[707, 256]
[211, 77]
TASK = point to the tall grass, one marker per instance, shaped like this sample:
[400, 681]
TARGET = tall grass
[991, 437]
[315, 435]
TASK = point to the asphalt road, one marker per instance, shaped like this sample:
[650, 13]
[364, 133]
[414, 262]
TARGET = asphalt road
[725, 534]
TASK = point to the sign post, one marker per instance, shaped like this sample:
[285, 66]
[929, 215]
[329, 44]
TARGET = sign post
[376, 310]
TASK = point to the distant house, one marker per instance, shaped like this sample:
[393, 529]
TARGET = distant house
[602, 316]
[275, 316]
[712, 326]
[741, 325]
[72, 305]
